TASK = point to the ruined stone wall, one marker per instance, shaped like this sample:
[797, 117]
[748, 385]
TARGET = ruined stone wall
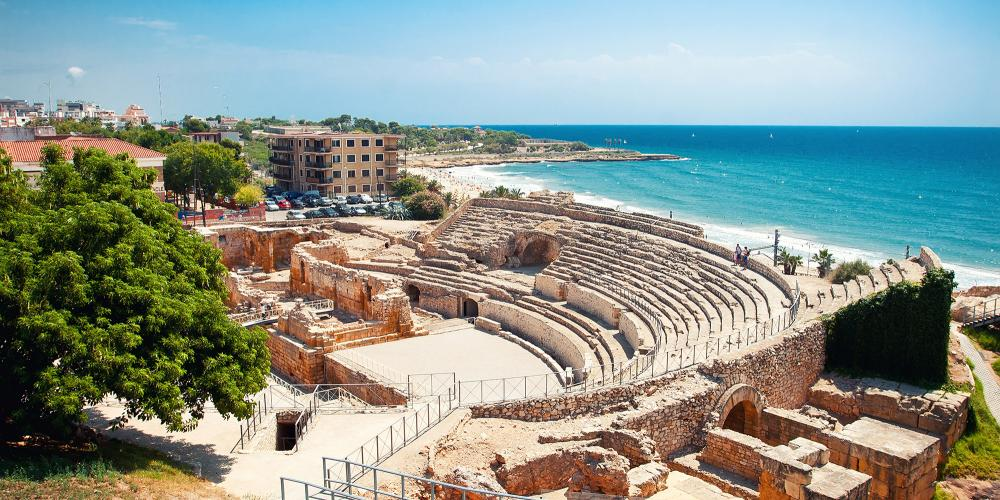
[683, 402]
[367, 388]
[593, 303]
[563, 347]
[298, 362]
[550, 287]
[242, 290]
[267, 248]
[779, 426]
[733, 451]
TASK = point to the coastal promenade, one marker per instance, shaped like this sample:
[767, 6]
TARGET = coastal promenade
[983, 370]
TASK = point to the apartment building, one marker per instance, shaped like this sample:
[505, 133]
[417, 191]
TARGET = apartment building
[334, 163]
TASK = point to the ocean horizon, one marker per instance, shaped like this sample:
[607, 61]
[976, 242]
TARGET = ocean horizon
[863, 192]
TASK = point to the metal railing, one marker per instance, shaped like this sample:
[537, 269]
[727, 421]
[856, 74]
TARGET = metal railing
[248, 428]
[292, 488]
[982, 313]
[367, 365]
[391, 439]
[354, 478]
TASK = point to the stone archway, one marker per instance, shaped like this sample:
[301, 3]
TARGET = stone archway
[470, 308]
[534, 249]
[740, 408]
[413, 293]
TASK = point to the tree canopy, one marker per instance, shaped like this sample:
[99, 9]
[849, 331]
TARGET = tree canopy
[102, 292]
[219, 172]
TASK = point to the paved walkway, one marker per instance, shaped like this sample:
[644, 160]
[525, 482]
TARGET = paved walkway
[984, 371]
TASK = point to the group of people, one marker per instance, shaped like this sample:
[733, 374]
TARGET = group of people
[741, 256]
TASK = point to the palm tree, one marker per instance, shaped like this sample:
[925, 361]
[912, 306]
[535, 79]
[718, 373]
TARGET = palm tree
[434, 186]
[788, 261]
[824, 261]
[450, 200]
[516, 193]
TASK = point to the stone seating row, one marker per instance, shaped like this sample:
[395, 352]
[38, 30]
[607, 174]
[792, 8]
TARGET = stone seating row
[640, 217]
[615, 352]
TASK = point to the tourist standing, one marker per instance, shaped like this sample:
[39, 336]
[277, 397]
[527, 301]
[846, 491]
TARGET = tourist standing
[737, 255]
[746, 257]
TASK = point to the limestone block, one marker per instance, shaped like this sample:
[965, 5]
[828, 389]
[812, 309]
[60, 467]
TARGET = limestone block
[647, 479]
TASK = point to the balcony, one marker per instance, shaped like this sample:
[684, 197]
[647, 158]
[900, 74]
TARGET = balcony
[319, 180]
[282, 175]
[315, 149]
[280, 161]
[392, 147]
[315, 164]
[281, 147]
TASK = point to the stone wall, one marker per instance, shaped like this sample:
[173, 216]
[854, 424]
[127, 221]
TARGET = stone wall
[565, 347]
[267, 248]
[295, 360]
[550, 287]
[681, 404]
[779, 426]
[364, 386]
[734, 452]
[593, 303]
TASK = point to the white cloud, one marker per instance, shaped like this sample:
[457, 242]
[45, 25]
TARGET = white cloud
[75, 73]
[155, 24]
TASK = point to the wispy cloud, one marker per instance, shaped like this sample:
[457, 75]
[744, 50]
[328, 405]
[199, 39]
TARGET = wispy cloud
[75, 73]
[155, 24]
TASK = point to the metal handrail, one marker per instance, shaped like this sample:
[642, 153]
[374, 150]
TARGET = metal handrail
[312, 491]
[983, 311]
[423, 484]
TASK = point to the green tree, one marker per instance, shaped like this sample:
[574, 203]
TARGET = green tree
[192, 124]
[426, 205]
[233, 145]
[847, 271]
[248, 195]
[102, 292]
[218, 172]
[408, 185]
[824, 262]
[789, 262]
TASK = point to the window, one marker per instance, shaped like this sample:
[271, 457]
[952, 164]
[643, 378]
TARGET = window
[366, 158]
[336, 158]
[350, 143]
[301, 172]
[380, 187]
[352, 189]
[367, 188]
[338, 189]
[351, 174]
[336, 174]
[378, 142]
[336, 143]
[379, 172]
[365, 143]
[350, 158]
[366, 173]
[379, 157]
[300, 158]
[300, 143]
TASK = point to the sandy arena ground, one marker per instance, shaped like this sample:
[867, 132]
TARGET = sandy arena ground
[470, 353]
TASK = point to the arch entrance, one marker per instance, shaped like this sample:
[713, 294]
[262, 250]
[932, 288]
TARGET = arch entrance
[740, 409]
[413, 293]
[535, 249]
[470, 308]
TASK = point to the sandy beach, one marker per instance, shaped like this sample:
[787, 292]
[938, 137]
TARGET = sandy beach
[449, 183]
[449, 160]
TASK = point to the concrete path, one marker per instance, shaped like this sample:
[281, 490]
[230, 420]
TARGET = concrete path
[984, 371]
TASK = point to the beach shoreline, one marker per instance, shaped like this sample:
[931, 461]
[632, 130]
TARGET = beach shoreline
[452, 160]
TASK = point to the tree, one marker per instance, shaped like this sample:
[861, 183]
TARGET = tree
[102, 292]
[248, 195]
[824, 262]
[434, 186]
[192, 124]
[219, 173]
[233, 145]
[408, 185]
[426, 205]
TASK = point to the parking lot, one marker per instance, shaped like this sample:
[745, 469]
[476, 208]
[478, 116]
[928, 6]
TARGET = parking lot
[311, 205]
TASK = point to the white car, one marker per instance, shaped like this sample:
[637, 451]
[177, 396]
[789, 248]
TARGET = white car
[295, 215]
[366, 199]
[271, 206]
[339, 200]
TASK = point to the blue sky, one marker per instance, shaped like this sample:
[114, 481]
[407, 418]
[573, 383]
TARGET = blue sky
[795, 63]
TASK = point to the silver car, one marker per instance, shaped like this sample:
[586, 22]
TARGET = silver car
[295, 215]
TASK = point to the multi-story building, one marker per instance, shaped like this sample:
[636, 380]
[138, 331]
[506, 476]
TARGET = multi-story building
[334, 163]
[135, 115]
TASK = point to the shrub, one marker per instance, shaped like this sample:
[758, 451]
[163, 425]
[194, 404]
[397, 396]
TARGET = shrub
[900, 333]
[426, 205]
[850, 270]
[248, 195]
[408, 185]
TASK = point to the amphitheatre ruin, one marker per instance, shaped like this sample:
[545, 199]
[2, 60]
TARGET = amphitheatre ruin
[544, 347]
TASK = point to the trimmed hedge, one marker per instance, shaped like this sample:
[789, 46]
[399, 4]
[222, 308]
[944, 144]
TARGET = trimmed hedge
[900, 333]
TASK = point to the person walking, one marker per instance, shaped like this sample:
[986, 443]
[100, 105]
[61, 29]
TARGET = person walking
[737, 255]
[746, 257]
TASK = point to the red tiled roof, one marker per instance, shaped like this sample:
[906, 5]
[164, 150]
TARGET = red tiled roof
[31, 151]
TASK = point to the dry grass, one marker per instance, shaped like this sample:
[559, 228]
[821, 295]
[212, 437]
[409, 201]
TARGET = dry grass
[111, 469]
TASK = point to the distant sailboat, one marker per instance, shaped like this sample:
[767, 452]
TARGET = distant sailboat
[772, 136]
[692, 135]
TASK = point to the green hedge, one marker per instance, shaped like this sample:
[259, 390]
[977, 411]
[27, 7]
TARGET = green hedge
[900, 333]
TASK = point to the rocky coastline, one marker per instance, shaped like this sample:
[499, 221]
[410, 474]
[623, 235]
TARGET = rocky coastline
[450, 160]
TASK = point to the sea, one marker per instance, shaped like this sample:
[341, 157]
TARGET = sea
[862, 192]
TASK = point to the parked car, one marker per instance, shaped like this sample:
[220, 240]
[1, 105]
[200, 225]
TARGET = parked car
[339, 200]
[358, 211]
[272, 190]
[353, 199]
[271, 206]
[294, 215]
[284, 204]
[381, 198]
[343, 209]
[291, 195]
[313, 214]
[298, 203]
[329, 212]
[366, 199]
[311, 201]
[324, 201]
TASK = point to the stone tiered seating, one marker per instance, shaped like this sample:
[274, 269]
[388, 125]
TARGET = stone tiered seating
[480, 228]
[468, 281]
[611, 350]
[642, 218]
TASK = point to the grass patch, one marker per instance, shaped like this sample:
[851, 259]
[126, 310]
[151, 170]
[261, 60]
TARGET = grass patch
[987, 338]
[977, 453]
[847, 271]
[47, 469]
[942, 494]
[996, 366]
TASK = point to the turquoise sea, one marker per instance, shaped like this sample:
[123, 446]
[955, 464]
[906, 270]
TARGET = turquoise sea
[861, 191]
